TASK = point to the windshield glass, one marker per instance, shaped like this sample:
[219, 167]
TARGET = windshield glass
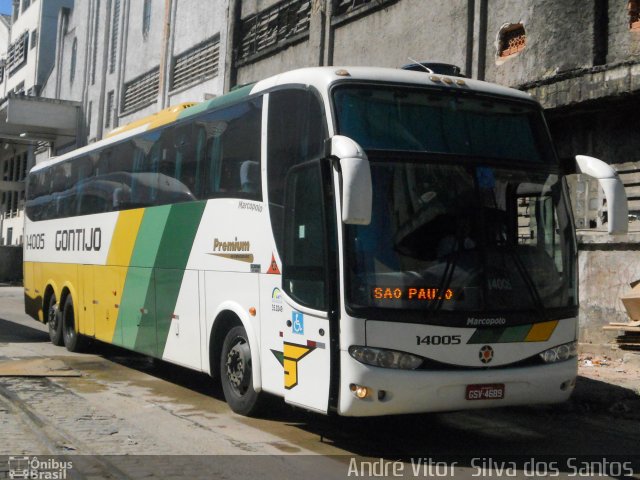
[409, 119]
[462, 238]
[469, 213]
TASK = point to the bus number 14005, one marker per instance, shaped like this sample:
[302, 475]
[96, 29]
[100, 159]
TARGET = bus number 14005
[438, 340]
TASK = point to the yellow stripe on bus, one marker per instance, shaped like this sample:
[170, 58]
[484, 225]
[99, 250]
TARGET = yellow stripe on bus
[541, 332]
[108, 280]
[124, 237]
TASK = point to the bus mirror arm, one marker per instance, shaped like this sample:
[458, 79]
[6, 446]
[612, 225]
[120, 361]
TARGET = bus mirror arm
[357, 190]
[617, 206]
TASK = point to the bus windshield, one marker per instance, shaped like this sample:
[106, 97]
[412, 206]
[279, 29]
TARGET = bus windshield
[477, 221]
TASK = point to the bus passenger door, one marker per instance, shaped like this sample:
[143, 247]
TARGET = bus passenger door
[308, 286]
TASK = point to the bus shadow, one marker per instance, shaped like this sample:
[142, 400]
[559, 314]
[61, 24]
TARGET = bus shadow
[11, 332]
[184, 377]
[600, 419]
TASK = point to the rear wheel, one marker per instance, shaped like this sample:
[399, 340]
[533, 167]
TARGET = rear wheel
[236, 373]
[54, 322]
[72, 339]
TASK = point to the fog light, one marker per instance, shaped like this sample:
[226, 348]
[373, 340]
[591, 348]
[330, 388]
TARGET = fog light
[359, 391]
[568, 384]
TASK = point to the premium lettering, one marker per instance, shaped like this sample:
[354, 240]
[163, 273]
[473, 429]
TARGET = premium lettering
[235, 246]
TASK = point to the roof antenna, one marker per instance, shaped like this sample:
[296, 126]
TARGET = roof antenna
[428, 70]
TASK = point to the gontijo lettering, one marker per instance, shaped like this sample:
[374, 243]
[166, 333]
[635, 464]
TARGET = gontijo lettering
[79, 240]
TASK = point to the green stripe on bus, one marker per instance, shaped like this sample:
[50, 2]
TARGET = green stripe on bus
[137, 307]
[500, 335]
[171, 259]
[515, 334]
[486, 335]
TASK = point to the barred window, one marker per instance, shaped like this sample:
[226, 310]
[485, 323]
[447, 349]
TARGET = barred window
[141, 92]
[281, 24]
[196, 64]
[512, 40]
[634, 14]
[17, 54]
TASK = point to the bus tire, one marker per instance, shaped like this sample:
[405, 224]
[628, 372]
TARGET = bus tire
[54, 321]
[236, 373]
[72, 339]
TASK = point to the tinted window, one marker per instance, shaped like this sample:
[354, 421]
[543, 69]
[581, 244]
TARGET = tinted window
[216, 154]
[296, 134]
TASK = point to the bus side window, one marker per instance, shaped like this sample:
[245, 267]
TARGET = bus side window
[295, 134]
[233, 151]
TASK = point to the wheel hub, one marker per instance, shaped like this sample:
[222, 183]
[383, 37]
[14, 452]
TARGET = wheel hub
[237, 366]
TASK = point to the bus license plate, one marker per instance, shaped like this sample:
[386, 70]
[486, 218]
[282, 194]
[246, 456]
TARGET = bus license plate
[494, 391]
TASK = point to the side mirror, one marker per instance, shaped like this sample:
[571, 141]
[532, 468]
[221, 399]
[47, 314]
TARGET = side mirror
[617, 206]
[357, 190]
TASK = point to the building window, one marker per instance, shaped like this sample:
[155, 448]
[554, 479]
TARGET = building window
[17, 53]
[196, 65]
[74, 59]
[277, 26]
[89, 114]
[94, 50]
[16, 10]
[34, 39]
[109, 113]
[512, 40]
[344, 7]
[141, 92]
[113, 53]
[634, 14]
[146, 17]
[25, 4]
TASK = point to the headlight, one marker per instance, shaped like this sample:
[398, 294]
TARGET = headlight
[379, 357]
[560, 353]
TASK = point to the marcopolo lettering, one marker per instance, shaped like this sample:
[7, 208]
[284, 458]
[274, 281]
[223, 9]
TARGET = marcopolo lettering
[79, 240]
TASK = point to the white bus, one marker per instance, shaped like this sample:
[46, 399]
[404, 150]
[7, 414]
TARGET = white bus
[361, 241]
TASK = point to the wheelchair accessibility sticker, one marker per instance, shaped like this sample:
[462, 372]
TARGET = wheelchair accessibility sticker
[297, 323]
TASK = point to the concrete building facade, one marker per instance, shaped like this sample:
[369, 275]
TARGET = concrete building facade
[123, 60]
[27, 40]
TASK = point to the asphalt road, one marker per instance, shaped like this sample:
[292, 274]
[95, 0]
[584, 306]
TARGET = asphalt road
[173, 422]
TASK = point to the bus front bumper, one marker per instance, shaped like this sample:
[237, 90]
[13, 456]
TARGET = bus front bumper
[392, 391]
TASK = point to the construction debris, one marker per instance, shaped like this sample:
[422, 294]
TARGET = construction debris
[629, 339]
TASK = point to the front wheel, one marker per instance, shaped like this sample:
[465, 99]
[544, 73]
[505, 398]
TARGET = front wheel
[72, 339]
[236, 373]
[54, 322]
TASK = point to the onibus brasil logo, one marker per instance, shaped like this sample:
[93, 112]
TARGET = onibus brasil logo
[40, 469]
